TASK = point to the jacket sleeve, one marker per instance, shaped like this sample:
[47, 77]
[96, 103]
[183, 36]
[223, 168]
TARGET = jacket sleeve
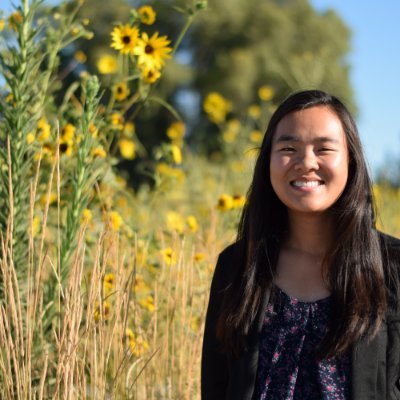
[214, 363]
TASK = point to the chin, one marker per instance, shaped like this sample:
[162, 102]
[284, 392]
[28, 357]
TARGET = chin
[308, 209]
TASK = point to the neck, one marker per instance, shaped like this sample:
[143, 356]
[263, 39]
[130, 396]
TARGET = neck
[310, 233]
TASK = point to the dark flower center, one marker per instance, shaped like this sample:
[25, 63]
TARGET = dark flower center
[126, 39]
[149, 49]
[63, 147]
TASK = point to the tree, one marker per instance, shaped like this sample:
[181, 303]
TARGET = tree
[234, 48]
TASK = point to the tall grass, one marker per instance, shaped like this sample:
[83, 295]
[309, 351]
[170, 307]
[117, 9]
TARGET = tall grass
[88, 353]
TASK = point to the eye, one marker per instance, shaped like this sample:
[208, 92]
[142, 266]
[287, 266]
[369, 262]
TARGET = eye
[325, 150]
[287, 149]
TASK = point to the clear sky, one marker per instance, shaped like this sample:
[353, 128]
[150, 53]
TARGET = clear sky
[375, 74]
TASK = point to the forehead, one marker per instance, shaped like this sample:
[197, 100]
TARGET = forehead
[312, 124]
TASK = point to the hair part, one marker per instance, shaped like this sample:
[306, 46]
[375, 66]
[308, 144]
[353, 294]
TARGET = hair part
[353, 267]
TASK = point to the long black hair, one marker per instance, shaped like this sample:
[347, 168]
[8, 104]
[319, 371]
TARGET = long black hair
[353, 265]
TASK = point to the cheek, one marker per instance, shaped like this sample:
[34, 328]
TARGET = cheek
[279, 164]
[339, 169]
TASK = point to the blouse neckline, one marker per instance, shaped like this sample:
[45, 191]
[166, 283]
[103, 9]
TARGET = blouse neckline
[294, 300]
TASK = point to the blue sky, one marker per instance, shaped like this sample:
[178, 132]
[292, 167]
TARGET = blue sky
[375, 75]
[375, 60]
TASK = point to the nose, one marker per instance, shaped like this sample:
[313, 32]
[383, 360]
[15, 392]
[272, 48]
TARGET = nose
[307, 161]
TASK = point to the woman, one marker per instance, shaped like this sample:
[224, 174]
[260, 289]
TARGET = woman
[305, 304]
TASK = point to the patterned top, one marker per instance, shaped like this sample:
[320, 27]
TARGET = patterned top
[287, 369]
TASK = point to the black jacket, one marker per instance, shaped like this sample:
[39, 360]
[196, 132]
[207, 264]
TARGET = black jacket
[375, 368]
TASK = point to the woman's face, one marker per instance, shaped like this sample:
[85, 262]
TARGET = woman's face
[309, 160]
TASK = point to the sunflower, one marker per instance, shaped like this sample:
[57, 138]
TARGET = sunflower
[30, 138]
[176, 130]
[43, 130]
[107, 64]
[266, 93]
[225, 202]
[147, 15]
[66, 147]
[86, 216]
[254, 111]
[125, 39]
[256, 136]
[192, 223]
[68, 132]
[152, 51]
[150, 75]
[174, 221]
[99, 152]
[121, 91]
[176, 154]
[168, 255]
[127, 149]
[117, 121]
[115, 220]
[216, 107]
[147, 303]
[108, 282]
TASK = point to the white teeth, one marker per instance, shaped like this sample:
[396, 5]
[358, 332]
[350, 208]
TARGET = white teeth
[306, 184]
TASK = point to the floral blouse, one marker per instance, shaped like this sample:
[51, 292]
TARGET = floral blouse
[287, 370]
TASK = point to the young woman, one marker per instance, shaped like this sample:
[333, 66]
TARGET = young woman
[305, 304]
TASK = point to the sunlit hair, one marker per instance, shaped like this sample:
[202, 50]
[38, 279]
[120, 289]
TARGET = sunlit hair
[352, 267]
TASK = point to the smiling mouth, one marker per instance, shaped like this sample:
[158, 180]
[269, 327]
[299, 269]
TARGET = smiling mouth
[310, 184]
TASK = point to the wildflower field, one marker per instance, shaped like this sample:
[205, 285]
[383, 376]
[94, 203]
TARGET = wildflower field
[103, 287]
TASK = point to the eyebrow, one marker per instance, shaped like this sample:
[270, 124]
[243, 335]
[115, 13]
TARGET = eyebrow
[291, 138]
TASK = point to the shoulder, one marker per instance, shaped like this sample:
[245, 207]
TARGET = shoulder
[390, 248]
[228, 264]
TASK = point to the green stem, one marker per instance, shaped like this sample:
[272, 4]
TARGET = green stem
[183, 33]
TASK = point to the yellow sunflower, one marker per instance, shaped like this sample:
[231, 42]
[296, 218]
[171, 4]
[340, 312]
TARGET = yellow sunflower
[127, 149]
[86, 216]
[99, 152]
[176, 154]
[107, 64]
[66, 147]
[150, 75]
[192, 223]
[169, 256]
[68, 132]
[176, 130]
[121, 91]
[225, 202]
[125, 39]
[43, 130]
[152, 51]
[266, 93]
[147, 15]
[256, 136]
[30, 138]
[216, 107]
[115, 220]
